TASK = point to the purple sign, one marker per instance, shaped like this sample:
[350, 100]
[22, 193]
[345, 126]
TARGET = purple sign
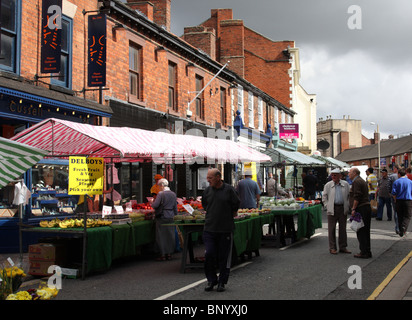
[289, 131]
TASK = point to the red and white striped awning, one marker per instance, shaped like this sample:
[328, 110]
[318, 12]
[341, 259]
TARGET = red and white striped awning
[66, 138]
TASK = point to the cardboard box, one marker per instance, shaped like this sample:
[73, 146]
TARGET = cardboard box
[40, 267]
[48, 251]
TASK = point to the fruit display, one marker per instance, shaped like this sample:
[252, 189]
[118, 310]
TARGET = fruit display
[74, 223]
[188, 218]
[252, 212]
[137, 216]
[279, 204]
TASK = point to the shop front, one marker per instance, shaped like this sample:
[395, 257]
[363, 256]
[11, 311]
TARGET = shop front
[23, 105]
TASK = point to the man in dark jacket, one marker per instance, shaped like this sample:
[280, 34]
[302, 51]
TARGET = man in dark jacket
[221, 203]
[359, 202]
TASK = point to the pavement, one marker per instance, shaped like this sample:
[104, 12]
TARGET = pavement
[398, 283]
[396, 286]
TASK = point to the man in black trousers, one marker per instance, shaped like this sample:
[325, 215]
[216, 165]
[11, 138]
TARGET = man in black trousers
[221, 203]
[359, 202]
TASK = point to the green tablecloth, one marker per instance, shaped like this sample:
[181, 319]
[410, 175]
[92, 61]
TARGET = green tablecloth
[306, 227]
[99, 248]
[123, 241]
[144, 232]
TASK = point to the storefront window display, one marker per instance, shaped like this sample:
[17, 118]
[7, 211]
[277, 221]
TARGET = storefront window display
[49, 189]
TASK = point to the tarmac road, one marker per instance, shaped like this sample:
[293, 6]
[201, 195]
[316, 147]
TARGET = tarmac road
[302, 271]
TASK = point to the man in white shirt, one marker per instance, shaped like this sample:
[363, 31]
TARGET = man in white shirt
[335, 198]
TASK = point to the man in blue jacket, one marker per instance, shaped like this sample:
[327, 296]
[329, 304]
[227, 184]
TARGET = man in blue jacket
[402, 191]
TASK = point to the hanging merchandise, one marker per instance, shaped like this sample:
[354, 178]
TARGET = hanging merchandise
[21, 194]
[115, 175]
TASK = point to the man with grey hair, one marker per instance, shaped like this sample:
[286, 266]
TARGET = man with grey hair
[359, 202]
[335, 196]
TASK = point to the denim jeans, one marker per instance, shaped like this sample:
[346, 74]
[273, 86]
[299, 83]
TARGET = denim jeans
[382, 202]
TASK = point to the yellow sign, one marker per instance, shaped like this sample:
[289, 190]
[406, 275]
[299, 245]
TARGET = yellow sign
[86, 175]
[250, 169]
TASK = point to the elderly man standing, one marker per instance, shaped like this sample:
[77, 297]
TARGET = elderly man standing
[335, 196]
[221, 204]
[359, 202]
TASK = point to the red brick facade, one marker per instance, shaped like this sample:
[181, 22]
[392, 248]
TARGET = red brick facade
[261, 61]
[220, 38]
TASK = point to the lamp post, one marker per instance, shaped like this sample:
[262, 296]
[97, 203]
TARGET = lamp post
[379, 146]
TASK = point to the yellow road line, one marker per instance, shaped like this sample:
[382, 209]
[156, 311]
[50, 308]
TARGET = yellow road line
[388, 279]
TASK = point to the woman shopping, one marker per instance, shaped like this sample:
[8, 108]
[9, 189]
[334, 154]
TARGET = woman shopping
[165, 207]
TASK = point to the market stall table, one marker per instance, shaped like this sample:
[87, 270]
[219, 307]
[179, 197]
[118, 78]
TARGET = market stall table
[106, 243]
[247, 235]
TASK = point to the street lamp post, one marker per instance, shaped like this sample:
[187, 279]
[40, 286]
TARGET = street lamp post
[379, 147]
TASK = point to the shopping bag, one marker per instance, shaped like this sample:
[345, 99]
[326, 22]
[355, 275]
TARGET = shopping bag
[374, 206]
[356, 225]
[356, 222]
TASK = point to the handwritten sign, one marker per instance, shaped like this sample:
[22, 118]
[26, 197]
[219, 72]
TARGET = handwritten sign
[106, 210]
[86, 175]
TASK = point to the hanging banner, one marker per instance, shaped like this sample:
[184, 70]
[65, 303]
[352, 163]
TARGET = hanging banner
[289, 131]
[96, 76]
[51, 36]
[0, 26]
[86, 175]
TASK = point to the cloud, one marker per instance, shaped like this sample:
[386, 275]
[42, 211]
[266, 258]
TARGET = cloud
[356, 85]
[364, 73]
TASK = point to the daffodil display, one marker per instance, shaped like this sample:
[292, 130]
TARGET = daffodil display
[11, 280]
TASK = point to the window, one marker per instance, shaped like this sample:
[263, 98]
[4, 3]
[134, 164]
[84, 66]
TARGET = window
[251, 110]
[260, 113]
[9, 35]
[223, 117]
[63, 78]
[172, 87]
[240, 101]
[200, 112]
[135, 74]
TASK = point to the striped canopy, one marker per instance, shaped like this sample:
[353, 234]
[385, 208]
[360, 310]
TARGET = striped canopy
[15, 159]
[65, 138]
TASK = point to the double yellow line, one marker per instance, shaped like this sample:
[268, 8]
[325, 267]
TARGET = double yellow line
[388, 279]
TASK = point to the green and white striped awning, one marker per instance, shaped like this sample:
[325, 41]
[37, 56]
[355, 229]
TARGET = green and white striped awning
[16, 158]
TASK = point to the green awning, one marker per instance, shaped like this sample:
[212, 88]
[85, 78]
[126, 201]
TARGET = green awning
[331, 162]
[16, 158]
[291, 158]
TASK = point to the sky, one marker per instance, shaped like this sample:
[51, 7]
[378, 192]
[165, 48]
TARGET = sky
[355, 55]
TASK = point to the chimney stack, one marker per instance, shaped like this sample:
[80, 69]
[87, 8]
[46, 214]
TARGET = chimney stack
[157, 11]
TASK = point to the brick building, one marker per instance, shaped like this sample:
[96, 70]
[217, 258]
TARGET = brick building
[152, 76]
[272, 66]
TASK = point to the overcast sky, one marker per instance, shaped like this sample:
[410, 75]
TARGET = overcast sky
[365, 73]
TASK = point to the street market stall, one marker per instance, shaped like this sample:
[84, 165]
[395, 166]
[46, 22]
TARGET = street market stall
[66, 139]
[247, 235]
[280, 159]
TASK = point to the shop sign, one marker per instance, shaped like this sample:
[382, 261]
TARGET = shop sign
[289, 131]
[51, 36]
[86, 175]
[96, 51]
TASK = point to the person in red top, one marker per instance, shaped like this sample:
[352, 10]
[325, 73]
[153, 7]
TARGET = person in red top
[409, 173]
